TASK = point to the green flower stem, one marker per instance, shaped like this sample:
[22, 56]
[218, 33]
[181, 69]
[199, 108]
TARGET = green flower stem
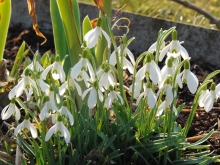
[194, 108]
[45, 152]
[59, 150]
[120, 71]
[5, 15]
[102, 43]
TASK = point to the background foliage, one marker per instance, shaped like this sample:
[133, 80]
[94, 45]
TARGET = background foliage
[167, 9]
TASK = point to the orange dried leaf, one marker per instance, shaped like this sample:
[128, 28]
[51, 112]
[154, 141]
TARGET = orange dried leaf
[99, 4]
[31, 9]
[94, 22]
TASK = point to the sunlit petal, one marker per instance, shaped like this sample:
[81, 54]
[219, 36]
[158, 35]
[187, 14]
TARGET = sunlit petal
[192, 81]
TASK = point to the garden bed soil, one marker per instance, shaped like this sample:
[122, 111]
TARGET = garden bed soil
[203, 122]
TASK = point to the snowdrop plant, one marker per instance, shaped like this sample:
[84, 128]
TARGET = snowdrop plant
[128, 125]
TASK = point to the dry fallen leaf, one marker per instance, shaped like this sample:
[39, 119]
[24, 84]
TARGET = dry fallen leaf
[94, 22]
[31, 9]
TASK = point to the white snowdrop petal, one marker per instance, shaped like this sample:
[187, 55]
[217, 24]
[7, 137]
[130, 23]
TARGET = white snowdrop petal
[19, 88]
[92, 37]
[92, 100]
[161, 108]
[120, 98]
[140, 97]
[45, 72]
[192, 81]
[18, 128]
[169, 94]
[63, 88]
[7, 112]
[17, 113]
[62, 74]
[85, 93]
[112, 59]
[208, 103]
[33, 130]
[184, 52]
[179, 81]
[50, 132]
[101, 98]
[151, 99]
[108, 101]
[164, 52]
[78, 88]
[152, 47]
[130, 55]
[66, 134]
[128, 65]
[76, 69]
[107, 38]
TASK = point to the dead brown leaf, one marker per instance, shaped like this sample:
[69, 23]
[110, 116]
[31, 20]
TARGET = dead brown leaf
[32, 13]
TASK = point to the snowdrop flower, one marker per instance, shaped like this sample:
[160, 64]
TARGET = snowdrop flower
[174, 49]
[60, 130]
[209, 98]
[26, 125]
[11, 109]
[95, 34]
[188, 77]
[149, 95]
[78, 72]
[66, 113]
[165, 106]
[168, 90]
[125, 63]
[201, 97]
[56, 70]
[70, 84]
[106, 79]
[26, 84]
[94, 94]
[113, 95]
[150, 69]
[49, 107]
[167, 70]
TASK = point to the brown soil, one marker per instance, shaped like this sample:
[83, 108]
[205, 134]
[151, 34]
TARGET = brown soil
[203, 122]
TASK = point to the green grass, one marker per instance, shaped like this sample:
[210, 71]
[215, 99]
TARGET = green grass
[167, 9]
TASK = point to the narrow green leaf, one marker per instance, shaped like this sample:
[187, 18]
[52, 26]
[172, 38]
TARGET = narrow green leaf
[5, 15]
[60, 40]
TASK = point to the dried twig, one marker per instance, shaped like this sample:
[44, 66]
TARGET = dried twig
[212, 18]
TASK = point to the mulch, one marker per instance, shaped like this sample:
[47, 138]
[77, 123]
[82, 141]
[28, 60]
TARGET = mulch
[203, 122]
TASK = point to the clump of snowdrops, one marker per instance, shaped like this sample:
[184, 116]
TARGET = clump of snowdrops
[53, 127]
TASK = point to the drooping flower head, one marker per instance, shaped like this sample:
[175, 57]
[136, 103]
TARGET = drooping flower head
[11, 109]
[188, 77]
[113, 95]
[208, 99]
[56, 71]
[174, 49]
[95, 34]
[79, 71]
[26, 84]
[59, 129]
[26, 125]
[149, 95]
